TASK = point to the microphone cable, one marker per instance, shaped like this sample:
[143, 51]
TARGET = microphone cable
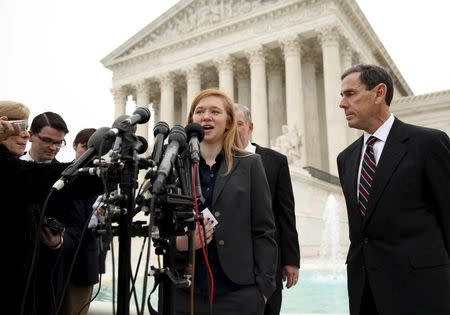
[35, 254]
[202, 242]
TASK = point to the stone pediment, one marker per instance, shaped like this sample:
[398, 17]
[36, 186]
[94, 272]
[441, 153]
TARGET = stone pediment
[188, 17]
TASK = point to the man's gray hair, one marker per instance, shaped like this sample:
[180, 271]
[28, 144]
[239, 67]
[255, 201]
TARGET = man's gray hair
[245, 110]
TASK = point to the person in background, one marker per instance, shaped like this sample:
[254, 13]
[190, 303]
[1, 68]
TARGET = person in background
[283, 207]
[14, 111]
[22, 183]
[242, 251]
[396, 183]
[85, 261]
[47, 134]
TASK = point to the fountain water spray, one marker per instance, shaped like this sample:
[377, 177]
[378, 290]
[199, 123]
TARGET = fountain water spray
[330, 254]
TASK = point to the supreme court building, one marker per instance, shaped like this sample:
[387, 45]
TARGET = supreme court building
[283, 59]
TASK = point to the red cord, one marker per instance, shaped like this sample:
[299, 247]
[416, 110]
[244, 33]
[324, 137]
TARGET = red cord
[199, 229]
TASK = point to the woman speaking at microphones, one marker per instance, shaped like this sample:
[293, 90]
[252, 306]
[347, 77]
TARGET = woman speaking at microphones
[235, 271]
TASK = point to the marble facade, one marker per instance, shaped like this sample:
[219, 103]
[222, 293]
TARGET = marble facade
[283, 59]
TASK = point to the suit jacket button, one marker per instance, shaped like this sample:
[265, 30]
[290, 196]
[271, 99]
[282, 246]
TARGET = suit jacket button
[221, 242]
[217, 214]
[366, 240]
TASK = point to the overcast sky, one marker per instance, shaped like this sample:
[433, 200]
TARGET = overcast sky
[51, 50]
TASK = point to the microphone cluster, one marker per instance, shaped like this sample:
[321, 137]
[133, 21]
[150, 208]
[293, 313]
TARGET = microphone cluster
[106, 143]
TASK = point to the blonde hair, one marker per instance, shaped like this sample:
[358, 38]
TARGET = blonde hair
[14, 110]
[232, 143]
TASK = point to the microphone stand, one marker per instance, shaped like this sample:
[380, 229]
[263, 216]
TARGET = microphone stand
[127, 186]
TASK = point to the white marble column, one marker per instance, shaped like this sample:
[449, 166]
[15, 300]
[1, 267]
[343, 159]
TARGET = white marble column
[322, 120]
[312, 129]
[167, 105]
[193, 81]
[120, 96]
[157, 110]
[336, 123]
[295, 106]
[142, 100]
[224, 67]
[257, 62]
[277, 108]
[184, 107]
[243, 85]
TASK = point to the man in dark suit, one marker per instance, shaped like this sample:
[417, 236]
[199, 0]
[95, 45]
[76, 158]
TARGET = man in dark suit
[396, 183]
[277, 173]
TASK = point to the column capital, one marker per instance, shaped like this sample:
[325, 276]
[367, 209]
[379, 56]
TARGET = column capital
[329, 34]
[291, 45]
[142, 86]
[309, 54]
[224, 63]
[120, 93]
[256, 55]
[166, 79]
[346, 47]
[192, 72]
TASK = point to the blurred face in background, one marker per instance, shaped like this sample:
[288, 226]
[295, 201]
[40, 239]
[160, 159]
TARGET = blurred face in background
[244, 128]
[79, 148]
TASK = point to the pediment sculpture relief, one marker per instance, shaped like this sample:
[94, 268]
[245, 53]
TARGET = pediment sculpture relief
[199, 15]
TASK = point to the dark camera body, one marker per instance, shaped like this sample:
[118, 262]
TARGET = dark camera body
[53, 224]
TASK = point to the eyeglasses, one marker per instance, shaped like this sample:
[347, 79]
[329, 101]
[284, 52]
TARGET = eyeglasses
[22, 123]
[49, 141]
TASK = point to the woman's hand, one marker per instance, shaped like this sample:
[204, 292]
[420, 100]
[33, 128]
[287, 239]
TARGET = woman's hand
[182, 241]
[48, 238]
[7, 129]
[209, 231]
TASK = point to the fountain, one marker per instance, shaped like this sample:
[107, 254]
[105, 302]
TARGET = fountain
[331, 262]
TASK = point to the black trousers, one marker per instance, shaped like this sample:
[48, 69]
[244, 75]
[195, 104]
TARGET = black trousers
[368, 306]
[246, 301]
[273, 305]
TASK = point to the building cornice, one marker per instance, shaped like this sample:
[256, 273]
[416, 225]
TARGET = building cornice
[431, 102]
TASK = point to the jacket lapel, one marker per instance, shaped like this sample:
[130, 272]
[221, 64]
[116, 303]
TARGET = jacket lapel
[351, 178]
[222, 179]
[393, 152]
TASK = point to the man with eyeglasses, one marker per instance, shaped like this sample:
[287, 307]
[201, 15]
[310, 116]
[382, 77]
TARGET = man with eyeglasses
[47, 134]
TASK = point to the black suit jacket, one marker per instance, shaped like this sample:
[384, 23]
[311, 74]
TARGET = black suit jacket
[402, 244]
[283, 207]
[245, 234]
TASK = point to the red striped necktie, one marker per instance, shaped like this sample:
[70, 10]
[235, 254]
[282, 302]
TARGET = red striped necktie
[368, 168]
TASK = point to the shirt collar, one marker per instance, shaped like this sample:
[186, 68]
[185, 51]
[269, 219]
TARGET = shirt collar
[219, 158]
[250, 147]
[383, 131]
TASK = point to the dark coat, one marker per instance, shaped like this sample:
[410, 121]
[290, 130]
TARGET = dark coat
[402, 244]
[245, 234]
[89, 260]
[23, 184]
[283, 207]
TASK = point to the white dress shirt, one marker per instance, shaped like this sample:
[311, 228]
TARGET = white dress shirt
[381, 134]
